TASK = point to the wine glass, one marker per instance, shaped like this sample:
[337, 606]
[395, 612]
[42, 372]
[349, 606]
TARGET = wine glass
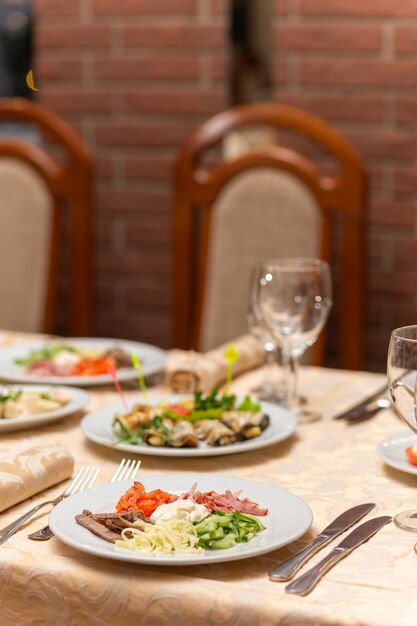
[295, 298]
[271, 387]
[402, 381]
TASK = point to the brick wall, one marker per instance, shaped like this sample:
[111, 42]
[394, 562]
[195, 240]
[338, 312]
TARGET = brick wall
[134, 77]
[354, 62]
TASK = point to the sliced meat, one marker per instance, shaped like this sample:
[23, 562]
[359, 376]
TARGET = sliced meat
[96, 528]
[108, 526]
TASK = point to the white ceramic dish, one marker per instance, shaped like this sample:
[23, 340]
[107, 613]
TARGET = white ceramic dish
[97, 426]
[152, 358]
[289, 517]
[79, 400]
[392, 451]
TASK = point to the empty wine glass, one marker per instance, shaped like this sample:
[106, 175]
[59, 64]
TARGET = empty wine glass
[402, 381]
[295, 298]
[271, 387]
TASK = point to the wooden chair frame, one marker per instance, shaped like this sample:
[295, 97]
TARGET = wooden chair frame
[342, 194]
[70, 182]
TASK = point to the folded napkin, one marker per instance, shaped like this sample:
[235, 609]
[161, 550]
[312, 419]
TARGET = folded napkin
[193, 370]
[31, 471]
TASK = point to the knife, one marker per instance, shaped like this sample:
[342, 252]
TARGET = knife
[363, 404]
[305, 583]
[287, 569]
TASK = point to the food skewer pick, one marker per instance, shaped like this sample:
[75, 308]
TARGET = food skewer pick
[231, 355]
[142, 384]
[113, 373]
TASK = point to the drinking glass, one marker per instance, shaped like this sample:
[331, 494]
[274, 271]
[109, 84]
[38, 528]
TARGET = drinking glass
[295, 298]
[402, 381]
[271, 387]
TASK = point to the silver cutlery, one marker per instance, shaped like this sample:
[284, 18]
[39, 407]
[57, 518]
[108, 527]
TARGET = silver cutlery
[305, 583]
[84, 479]
[369, 411]
[287, 569]
[361, 406]
[126, 470]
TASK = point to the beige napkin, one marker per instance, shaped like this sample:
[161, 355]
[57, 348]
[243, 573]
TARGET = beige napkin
[31, 471]
[193, 370]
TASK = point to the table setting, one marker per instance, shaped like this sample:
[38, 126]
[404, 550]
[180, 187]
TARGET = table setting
[300, 497]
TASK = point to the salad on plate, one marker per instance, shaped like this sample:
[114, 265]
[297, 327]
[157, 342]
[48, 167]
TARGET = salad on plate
[200, 420]
[64, 359]
[162, 523]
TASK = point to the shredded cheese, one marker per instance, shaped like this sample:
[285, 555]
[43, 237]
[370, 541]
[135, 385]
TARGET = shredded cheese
[174, 536]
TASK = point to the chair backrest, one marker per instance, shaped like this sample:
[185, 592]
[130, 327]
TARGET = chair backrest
[35, 189]
[271, 201]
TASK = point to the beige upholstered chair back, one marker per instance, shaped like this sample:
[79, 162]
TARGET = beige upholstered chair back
[260, 214]
[26, 210]
[271, 200]
[45, 182]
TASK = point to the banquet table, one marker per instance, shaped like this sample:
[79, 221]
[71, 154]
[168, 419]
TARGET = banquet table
[328, 463]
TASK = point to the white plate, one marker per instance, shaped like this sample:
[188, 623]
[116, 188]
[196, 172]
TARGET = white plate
[392, 451]
[79, 399]
[152, 358]
[289, 517]
[97, 426]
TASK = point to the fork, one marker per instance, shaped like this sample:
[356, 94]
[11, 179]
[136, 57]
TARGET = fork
[127, 469]
[86, 477]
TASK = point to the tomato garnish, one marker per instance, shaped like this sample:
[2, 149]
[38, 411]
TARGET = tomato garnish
[177, 408]
[92, 367]
[411, 453]
[136, 499]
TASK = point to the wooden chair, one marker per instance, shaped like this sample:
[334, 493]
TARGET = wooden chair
[34, 191]
[271, 201]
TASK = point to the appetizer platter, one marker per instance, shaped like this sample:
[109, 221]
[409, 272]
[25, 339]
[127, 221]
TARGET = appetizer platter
[193, 426]
[169, 521]
[78, 361]
[396, 450]
[27, 406]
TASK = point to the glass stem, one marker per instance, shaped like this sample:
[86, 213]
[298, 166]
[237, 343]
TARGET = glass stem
[293, 381]
[290, 375]
[270, 366]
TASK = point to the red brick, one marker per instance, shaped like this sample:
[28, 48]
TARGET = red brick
[53, 36]
[174, 101]
[389, 283]
[406, 111]
[138, 326]
[174, 35]
[155, 168]
[75, 101]
[58, 69]
[134, 262]
[359, 72]
[150, 134]
[280, 7]
[133, 201]
[358, 109]
[155, 232]
[156, 296]
[405, 250]
[384, 144]
[392, 214]
[405, 181]
[103, 167]
[218, 7]
[54, 8]
[157, 68]
[405, 40]
[327, 38]
[145, 7]
[359, 8]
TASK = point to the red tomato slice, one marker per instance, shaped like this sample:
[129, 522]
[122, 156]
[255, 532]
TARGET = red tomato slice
[411, 453]
[177, 408]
